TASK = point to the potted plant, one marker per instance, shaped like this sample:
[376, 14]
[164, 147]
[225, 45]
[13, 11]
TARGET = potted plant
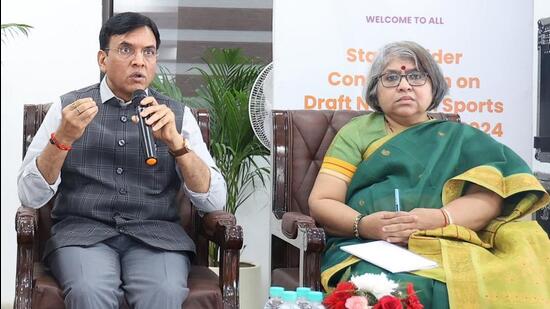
[226, 89]
[227, 83]
[225, 92]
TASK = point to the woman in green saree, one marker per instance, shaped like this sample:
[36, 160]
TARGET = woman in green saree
[461, 193]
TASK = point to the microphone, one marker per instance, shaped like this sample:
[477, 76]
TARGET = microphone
[145, 130]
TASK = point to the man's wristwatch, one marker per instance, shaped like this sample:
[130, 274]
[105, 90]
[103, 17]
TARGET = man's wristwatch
[183, 150]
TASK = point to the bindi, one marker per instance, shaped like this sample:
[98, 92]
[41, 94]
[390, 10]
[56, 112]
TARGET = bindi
[403, 68]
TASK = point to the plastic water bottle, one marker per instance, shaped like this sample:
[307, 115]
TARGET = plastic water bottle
[275, 298]
[301, 300]
[289, 300]
[315, 300]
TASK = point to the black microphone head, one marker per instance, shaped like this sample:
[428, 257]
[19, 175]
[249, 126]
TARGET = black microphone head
[137, 96]
[139, 93]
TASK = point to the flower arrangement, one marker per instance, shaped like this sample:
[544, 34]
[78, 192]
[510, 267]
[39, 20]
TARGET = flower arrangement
[372, 291]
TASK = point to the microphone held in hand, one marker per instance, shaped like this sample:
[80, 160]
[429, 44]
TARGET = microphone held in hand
[145, 130]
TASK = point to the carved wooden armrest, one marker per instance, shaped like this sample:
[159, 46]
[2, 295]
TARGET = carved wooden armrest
[300, 231]
[221, 228]
[25, 226]
[211, 220]
[293, 221]
[216, 227]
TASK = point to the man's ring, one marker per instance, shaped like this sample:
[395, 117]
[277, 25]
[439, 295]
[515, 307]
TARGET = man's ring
[75, 105]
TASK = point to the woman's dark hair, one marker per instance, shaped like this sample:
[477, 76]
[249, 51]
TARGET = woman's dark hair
[124, 23]
[417, 54]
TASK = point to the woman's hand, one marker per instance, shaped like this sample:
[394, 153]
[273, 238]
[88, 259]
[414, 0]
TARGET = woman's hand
[428, 218]
[393, 227]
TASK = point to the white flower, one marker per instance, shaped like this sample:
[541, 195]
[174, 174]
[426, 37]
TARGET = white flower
[378, 285]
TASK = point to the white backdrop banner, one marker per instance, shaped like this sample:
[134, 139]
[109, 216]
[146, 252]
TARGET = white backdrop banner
[322, 51]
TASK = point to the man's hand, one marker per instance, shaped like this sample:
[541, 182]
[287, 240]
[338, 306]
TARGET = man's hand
[75, 117]
[162, 121]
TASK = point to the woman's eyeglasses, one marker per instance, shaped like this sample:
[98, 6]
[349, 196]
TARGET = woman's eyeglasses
[393, 79]
[126, 52]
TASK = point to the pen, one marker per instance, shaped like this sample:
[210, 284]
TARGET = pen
[397, 203]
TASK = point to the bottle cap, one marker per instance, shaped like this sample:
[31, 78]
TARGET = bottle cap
[315, 296]
[276, 291]
[302, 292]
[289, 296]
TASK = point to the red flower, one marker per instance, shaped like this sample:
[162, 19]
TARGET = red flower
[412, 301]
[347, 293]
[388, 302]
[337, 299]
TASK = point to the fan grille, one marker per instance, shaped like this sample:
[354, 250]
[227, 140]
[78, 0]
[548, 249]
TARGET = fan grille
[259, 106]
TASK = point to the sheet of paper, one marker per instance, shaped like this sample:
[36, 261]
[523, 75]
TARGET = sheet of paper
[391, 257]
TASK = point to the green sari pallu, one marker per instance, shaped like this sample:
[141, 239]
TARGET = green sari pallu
[506, 265]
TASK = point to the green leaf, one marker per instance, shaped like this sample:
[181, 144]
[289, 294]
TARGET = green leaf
[13, 28]
[227, 83]
[165, 83]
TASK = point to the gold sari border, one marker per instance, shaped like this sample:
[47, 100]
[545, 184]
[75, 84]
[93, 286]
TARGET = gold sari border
[338, 168]
[328, 273]
[340, 163]
[491, 178]
[377, 144]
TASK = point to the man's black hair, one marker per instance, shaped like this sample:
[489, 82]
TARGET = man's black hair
[124, 23]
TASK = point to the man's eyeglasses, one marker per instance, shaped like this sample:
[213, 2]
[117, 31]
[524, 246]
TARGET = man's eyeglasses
[126, 52]
[393, 79]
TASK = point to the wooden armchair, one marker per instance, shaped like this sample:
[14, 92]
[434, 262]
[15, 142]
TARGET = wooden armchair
[36, 288]
[300, 141]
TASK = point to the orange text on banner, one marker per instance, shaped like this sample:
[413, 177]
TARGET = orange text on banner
[342, 102]
[459, 106]
[361, 55]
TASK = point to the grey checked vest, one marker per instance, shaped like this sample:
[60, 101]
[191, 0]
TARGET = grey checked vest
[107, 189]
